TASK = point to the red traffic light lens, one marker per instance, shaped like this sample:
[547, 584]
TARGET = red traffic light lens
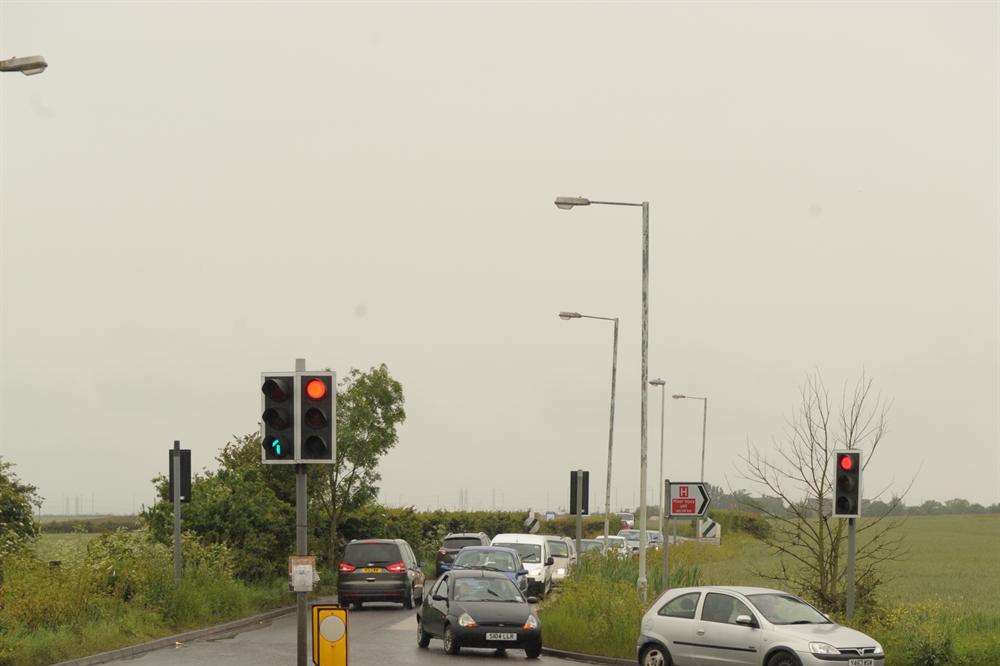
[316, 389]
[846, 463]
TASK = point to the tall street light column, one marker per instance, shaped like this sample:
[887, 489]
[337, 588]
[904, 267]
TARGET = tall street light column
[663, 404]
[567, 203]
[566, 316]
[704, 422]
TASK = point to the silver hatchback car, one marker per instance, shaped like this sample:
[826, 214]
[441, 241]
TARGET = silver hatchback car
[747, 626]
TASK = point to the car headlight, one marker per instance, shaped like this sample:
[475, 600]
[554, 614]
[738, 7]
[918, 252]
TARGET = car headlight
[878, 648]
[823, 648]
[531, 622]
[465, 620]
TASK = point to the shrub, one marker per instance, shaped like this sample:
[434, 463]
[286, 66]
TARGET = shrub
[598, 610]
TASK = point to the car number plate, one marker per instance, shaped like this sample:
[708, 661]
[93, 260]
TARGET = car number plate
[861, 662]
[372, 570]
[501, 637]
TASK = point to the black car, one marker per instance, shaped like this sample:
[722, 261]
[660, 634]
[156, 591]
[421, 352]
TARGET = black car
[379, 570]
[479, 609]
[454, 543]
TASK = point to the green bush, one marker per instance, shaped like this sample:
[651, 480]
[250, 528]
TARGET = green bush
[598, 610]
[121, 591]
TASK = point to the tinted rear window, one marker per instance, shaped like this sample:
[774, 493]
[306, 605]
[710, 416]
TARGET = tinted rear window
[360, 554]
[559, 549]
[461, 542]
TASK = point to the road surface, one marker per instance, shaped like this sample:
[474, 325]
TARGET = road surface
[380, 634]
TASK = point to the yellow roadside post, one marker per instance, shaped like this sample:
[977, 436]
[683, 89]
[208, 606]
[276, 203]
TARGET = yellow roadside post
[329, 634]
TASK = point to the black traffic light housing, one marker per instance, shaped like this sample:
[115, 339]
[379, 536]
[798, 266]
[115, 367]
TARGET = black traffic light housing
[299, 416]
[318, 428]
[847, 483]
[278, 415]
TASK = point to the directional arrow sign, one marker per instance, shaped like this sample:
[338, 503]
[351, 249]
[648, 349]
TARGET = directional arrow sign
[688, 499]
[531, 523]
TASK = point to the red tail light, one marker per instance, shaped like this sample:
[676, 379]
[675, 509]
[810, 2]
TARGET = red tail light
[346, 568]
[396, 567]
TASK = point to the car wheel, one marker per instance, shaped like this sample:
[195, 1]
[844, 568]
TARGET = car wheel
[533, 651]
[451, 645]
[782, 659]
[408, 599]
[423, 638]
[654, 655]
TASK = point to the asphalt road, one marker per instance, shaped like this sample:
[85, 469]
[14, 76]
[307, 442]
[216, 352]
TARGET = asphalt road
[380, 634]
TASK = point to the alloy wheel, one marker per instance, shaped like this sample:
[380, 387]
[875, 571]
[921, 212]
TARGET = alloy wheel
[653, 657]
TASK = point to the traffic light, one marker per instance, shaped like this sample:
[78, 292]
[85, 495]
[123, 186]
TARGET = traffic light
[278, 405]
[847, 485]
[318, 427]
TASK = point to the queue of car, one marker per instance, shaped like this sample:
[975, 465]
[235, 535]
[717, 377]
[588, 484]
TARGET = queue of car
[485, 592]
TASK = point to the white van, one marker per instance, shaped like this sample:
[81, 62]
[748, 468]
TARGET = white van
[533, 549]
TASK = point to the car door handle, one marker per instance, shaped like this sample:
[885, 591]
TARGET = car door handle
[700, 632]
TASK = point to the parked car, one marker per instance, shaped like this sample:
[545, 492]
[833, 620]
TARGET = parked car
[747, 625]
[591, 545]
[494, 558]
[454, 543]
[379, 570]
[631, 538]
[533, 549]
[479, 609]
[563, 558]
[627, 520]
[616, 545]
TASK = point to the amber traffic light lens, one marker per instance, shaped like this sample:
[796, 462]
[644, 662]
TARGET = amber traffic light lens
[315, 418]
[316, 389]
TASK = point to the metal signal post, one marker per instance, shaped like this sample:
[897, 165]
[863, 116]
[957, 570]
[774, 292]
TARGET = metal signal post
[847, 504]
[299, 427]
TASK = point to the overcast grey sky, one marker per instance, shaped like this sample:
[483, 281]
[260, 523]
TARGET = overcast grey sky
[823, 188]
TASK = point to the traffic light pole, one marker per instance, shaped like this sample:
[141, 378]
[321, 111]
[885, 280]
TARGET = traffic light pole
[850, 568]
[301, 541]
[175, 462]
[579, 512]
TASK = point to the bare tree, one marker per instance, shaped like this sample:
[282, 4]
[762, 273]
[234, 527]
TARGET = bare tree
[809, 544]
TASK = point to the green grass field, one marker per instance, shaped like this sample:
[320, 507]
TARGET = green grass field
[63, 547]
[947, 558]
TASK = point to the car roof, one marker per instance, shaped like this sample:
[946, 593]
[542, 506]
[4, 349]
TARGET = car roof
[738, 589]
[475, 573]
[364, 541]
[503, 549]
[522, 538]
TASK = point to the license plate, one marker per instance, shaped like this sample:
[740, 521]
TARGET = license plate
[372, 570]
[861, 662]
[501, 637]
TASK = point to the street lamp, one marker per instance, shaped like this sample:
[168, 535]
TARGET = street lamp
[28, 66]
[566, 203]
[663, 403]
[566, 316]
[704, 421]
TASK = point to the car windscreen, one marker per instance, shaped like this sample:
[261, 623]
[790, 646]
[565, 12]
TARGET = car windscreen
[360, 554]
[786, 609]
[530, 553]
[631, 535]
[497, 560]
[485, 589]
[590, 545]
[457, 543]
[558, 549]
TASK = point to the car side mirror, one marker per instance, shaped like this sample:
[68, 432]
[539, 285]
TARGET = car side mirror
[549, 562]
[745, 620]
[522, 572]
[532, 600]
